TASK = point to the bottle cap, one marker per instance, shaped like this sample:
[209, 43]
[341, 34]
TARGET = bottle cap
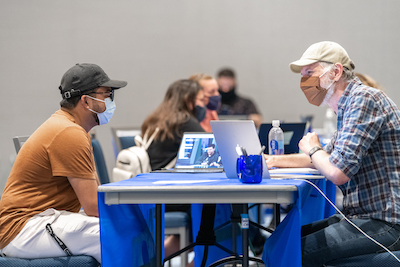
[275, 123]
[329, 113]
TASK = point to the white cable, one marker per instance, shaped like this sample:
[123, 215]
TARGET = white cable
[350, 222]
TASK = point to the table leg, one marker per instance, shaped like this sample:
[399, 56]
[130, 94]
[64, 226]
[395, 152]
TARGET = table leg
[159, 244]
[277, 214]
[233, 233]
[245, 235]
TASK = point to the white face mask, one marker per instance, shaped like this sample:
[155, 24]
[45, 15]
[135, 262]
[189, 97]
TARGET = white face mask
[105, 116]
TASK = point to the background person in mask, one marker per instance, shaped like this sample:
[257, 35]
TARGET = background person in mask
[231, 102]
[212, 98]
[54, 174]
[180, 111]
[362, 158]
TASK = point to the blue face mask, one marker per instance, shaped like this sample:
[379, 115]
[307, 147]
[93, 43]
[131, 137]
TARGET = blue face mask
[105, 116]
[200, 113]
[214, 102]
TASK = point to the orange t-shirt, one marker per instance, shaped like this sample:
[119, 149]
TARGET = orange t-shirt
[58, 149]
[211, 115]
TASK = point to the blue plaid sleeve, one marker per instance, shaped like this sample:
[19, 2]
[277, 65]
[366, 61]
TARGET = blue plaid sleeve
[361, 122]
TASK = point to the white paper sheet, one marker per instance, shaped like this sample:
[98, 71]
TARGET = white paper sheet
[183, 181]
[295, 170]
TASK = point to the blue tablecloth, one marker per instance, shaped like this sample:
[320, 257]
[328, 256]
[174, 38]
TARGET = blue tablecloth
[127, 234]
[128, 230]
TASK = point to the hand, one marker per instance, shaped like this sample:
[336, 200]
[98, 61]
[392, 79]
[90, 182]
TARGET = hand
[309, 141]
[269, 160]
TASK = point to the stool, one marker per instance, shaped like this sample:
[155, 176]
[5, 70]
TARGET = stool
[73, 261]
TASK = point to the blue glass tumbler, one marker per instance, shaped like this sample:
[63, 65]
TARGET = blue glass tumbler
[250, 168]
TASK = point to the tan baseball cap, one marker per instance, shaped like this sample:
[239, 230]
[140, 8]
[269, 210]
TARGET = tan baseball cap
[323, 51]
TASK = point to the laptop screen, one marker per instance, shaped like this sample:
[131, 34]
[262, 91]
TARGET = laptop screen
[228, 135]
[198, 150]
[292, 132]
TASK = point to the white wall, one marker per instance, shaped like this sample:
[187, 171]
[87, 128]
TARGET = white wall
[153, 43]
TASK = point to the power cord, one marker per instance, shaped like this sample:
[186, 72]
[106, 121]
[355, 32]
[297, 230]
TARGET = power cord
[350, 222]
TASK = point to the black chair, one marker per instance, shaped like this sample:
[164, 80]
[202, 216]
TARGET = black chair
[100, 162]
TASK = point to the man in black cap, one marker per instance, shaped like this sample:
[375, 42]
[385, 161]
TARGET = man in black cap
[54, 174]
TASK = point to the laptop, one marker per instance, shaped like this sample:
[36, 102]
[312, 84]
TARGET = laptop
[232, 117]
[292, 132]
[197, 153]
[230, 133]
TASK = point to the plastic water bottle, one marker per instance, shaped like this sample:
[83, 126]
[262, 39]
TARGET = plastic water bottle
[329, 127]
[329, 123]
[275, 138]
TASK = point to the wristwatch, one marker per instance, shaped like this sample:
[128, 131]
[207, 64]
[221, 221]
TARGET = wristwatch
[313, 150]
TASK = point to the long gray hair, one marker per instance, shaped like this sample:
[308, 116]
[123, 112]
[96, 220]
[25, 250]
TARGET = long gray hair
[347, 75]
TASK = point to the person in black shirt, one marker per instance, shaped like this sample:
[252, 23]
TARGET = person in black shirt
[231, 102]
[179, 112]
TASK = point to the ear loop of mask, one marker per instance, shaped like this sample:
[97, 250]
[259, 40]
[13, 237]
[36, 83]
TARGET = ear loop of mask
[328, 69]
[105, 116]
[97, 100]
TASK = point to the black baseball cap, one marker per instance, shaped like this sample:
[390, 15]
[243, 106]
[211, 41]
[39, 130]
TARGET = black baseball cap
[85, 77]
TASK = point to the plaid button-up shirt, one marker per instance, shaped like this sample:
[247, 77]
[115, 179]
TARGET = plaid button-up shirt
[366, 148]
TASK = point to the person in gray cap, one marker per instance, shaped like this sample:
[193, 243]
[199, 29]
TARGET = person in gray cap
[362, 158]
[54, 175]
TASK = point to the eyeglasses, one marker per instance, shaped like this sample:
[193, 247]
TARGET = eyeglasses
[109, 94]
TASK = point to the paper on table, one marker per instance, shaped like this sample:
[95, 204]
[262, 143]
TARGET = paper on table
[295, 171]
[296, 176]
[182, 181]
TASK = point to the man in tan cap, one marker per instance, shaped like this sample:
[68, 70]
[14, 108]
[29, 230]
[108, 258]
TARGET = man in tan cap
[362, 158]
[54, 175]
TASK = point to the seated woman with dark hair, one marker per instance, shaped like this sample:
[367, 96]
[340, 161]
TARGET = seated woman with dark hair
[180, 111]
